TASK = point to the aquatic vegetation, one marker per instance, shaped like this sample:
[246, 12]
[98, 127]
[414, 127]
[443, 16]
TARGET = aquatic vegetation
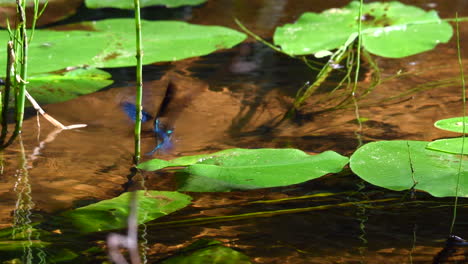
[112, 214]
[125, 4]
[16, 68]
[208, 251]
[451, 145]
[243, 169]
[390, 29]
[107, 44]
[50, 88]
[394, 165]
[454, 124]
[402, 165]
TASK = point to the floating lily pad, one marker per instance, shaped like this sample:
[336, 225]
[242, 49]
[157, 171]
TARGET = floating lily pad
[454, 124]
[250, 168]
[400, 165]
[58, 87]
[389, 29]
[111, 43]
[450, 145]
[128, 4]
[113, 213]
[162, 41]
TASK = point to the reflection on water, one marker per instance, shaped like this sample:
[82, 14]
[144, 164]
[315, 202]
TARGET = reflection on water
[232, 99]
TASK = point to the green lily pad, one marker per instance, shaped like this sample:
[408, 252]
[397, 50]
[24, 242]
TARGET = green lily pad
[454, 124]
[111, 43]
[389, 29]
[128, 4]
[400, 165]
[450, 145]
[250, 168]
[58, 87]
[208, 252]
[112, 214]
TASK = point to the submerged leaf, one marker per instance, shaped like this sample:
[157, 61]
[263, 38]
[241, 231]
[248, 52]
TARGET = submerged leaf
[211, 253]
[58, 87]
[250, 168]
[21, 237]
[113, 213]
[400, 165]
[389, 29]
[128, 4]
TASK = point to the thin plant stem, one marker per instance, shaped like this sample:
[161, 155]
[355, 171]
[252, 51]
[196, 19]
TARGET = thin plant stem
[375, 78]
[356, 77]
[460, 163]
[139, 81]
[321, 77]
[6, 91]
[37, 14]
[227, 218]
[17, 69]
[258, 38]
[331, 65]
[22, 78]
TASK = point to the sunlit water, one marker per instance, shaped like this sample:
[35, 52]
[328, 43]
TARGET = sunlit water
[231, 99]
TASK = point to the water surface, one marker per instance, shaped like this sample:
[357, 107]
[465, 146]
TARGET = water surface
[231, 99]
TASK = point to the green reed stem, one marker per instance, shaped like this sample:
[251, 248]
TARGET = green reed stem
[6, 91]
[23, 74]
[462, 79]
[17, 69]
[37, 14]
[139, 81]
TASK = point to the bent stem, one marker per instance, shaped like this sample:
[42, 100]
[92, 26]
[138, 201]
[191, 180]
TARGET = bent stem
[17, 69]
[48, 117]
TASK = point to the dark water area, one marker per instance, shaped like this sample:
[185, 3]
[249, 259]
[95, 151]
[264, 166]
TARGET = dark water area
[230, 99]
